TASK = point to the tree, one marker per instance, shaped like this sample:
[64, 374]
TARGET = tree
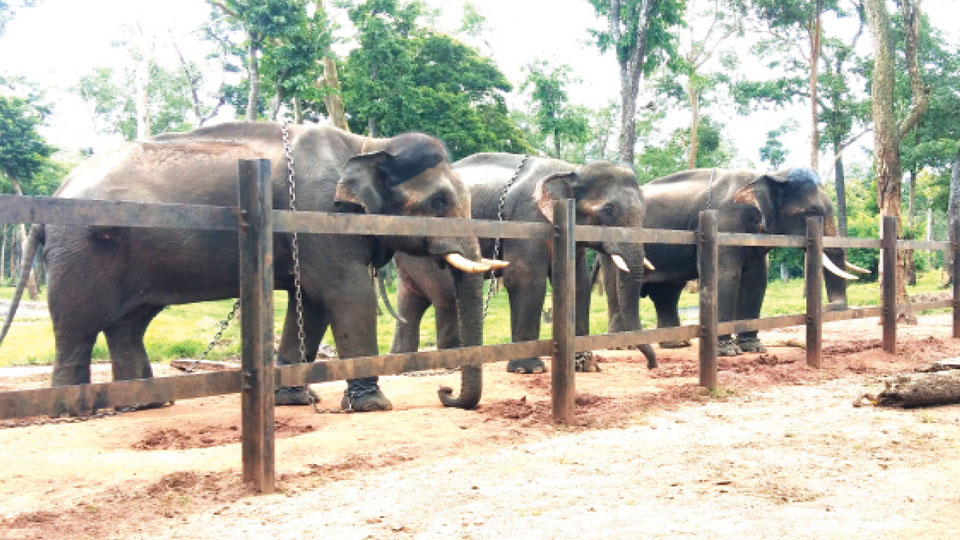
[404, 77]
[8, 10]
[555, 119]
[888, 130]
[23, 152]
[772, 150]
[638, 31]
[660, 160]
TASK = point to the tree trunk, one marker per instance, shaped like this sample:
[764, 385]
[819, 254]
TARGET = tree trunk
[556, 143]
[631, 67]
[3, 250]
[141, 83]
[253, 71]
[815, 31]
[952, 211]
[909, 267]
[332, 98]
[694, 124]
[911, 197]
[839, 183]
[297, 111]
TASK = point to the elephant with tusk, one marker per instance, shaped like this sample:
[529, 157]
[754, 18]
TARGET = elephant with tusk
[747, 202]
[115, 280]
[524, 188]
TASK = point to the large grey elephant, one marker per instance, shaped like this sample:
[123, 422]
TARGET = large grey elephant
[747, 202]
[605, 194]
[116, 280]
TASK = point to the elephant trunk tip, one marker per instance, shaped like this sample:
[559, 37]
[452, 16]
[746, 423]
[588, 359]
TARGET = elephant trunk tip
[445, 393]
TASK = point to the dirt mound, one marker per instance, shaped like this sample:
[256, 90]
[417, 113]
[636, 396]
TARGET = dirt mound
[207, 436]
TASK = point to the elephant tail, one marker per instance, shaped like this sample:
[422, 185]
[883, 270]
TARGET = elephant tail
[36, 236]
[470, 388]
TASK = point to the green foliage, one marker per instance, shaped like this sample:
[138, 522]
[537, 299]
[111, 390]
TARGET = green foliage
[404, 77]
[660, 42]
[772, 150]
[23, 152]
[660, 160]
[553, 117]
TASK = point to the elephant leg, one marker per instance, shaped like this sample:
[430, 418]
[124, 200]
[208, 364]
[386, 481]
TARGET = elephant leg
[728, 294]
[665, 297]
[410, 306]
[527, 292]
[753, 286]
[583, 289]
[314, 327]
[74, 348]
[128, 356]
[609, 279]
[353, 318]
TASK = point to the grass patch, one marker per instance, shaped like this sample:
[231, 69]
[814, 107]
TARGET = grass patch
[184, 331]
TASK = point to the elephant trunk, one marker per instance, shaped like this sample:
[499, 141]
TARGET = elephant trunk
[629, 285]
[468, 288]
[836, 285]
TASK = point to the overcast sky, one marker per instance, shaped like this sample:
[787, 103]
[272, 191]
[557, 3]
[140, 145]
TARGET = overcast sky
[58, 41]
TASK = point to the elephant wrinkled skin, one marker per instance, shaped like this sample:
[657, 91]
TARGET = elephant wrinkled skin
[747, 202]
[116, 280]
[605, 194]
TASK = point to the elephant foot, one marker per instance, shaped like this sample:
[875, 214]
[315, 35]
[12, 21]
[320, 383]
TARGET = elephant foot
[751, 344]
[585, 362]
[675, 344]
[525, 366]
[727, 347]
[364, 395]
[295, 395]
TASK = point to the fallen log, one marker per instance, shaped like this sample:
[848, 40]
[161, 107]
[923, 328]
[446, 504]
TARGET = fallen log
[921, 389]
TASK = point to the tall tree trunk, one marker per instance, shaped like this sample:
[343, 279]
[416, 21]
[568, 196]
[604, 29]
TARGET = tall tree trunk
[253, 71]
[911, 197]
[839, 183]
[332, 98]
[141, 84]
[32, 282]
[953, 211]
[631, 67]
[929, 235]
[815, 31]
[3, 250]
[694, 124]
[297, 111]
[556, 143]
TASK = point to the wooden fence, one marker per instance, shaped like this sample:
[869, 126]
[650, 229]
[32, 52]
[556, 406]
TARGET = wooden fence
[256, 222]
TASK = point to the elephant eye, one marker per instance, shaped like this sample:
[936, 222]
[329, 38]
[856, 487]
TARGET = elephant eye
[608, 211]
[438, 203]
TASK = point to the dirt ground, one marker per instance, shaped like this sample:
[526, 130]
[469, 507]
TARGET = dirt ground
[778, 452]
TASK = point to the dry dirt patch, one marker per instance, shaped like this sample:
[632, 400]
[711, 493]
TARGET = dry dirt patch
[777, 451]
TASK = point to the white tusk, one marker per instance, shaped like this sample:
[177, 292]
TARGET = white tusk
[828, 264]
[495, 264]
[856, 268]
[647, 264]
[462, 263]
[621, 264]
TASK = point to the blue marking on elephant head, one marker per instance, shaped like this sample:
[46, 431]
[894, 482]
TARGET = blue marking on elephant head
[804, 175]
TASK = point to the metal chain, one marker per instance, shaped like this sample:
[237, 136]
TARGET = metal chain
[67, 419]
[295, 244]
[710, 189]
[216, 337]
[496, 241]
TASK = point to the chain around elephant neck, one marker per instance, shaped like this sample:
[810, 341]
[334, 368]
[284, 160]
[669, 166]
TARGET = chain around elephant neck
[496, 241]
[713, 173]
[294, 243]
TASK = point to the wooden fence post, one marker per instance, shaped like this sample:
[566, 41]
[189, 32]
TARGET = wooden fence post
[256, 304]
[563, 390]
[813, 278]
[708, 260]
[955, 277]
[889, 284]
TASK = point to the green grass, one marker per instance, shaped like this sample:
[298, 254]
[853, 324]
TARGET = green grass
[184, 331]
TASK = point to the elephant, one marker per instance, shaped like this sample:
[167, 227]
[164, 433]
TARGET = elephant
[115, 280]
[605, 194]
[747, 202]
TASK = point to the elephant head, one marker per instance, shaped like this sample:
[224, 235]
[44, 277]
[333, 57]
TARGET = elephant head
[606, 195]
[785, 199]
[411, 176]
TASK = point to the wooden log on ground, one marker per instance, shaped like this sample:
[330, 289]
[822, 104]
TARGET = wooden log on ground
[921, 389]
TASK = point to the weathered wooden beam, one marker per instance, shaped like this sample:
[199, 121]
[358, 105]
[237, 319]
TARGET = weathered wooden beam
[917, 307]
[563, 280]
[636, 337]
[923, 244]
[955, 277]
[855, 313]
[707, 265]
[888, 284]
[847, 242]
[86, 398]
[760, 240]
[767, 323]
[332, 223]
[60, 211]
[594, 233]
[921, 389]
[813, 279]
[256, 325]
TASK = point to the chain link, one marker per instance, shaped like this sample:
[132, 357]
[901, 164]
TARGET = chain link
[295, 243]
[496, 241]
[713, 173]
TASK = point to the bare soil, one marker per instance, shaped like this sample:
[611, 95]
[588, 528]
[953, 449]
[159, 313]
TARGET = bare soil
[779, 451]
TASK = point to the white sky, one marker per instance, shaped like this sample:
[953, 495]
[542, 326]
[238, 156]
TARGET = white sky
[58, 41]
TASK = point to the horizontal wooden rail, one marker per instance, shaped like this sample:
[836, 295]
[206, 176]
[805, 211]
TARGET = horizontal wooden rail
[923, 306]
[854, 313]
[841, 242]
[766, 323]
[593, 233]
[760, 240]
[330, 223]
[58, 211]
[923, 244]
[624, 339]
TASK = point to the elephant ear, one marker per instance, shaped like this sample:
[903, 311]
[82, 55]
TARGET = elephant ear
[765, 191]
[551, 188]
[363, 182]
